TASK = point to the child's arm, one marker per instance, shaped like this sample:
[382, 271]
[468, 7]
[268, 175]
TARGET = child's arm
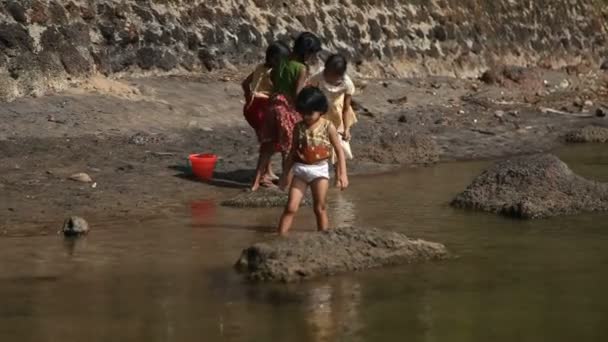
[302, 78]
[335, 141]
[246, 85]
[345, 117]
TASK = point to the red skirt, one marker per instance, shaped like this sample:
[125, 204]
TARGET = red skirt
[279, 123]
[255, 112]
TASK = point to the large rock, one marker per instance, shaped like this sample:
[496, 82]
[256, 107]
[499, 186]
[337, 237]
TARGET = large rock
[588, 134]
[309, 255]
[530, 187]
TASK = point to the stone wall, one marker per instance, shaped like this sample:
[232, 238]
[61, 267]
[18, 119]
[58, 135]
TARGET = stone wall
[44, 43]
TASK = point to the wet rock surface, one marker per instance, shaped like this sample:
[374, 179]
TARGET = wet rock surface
[588, 134]
[531, 187]
[311, 255]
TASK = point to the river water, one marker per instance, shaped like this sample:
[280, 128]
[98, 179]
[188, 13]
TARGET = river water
[169, 277]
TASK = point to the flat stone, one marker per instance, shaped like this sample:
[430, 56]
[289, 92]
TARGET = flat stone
[263, 198]
[317, 254]
[588, 134]
[81, 177]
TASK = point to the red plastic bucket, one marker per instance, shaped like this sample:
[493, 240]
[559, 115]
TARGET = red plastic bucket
[203, 165]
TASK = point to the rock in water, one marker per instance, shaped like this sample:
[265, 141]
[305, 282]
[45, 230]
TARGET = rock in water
[263, 198]
[75, 226]
[310, 255]
[531, 187]
[588, 134]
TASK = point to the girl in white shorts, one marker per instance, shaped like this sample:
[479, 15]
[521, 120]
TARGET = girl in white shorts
[314, 140]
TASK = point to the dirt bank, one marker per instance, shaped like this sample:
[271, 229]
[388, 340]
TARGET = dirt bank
[132, 137]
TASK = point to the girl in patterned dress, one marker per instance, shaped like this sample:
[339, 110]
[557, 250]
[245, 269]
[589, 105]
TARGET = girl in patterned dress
[314, 139]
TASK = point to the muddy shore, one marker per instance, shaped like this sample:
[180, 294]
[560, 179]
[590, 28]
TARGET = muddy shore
[132, 136]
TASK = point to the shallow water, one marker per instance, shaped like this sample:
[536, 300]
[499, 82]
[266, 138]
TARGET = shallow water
[169, 278]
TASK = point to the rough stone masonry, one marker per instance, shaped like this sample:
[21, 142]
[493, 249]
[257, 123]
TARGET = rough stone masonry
[46, 43]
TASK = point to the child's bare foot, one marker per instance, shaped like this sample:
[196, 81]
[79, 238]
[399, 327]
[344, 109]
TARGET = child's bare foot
[272, 176]
[266, 183]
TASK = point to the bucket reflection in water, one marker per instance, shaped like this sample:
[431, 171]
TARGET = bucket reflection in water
[203, 212]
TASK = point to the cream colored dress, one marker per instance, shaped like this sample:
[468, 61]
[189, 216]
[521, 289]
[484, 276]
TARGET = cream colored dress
[335, 95]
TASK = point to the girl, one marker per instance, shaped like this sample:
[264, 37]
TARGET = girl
[339, 89]
[313, 141]
[287, 81]
[257, 88]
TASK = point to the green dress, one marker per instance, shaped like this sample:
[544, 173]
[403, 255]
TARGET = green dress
[285, 80]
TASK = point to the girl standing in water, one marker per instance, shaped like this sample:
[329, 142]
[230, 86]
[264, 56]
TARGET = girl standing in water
[258, 88]
[288, 79]
[313, 141]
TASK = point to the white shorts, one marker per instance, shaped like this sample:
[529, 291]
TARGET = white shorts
[309, 173]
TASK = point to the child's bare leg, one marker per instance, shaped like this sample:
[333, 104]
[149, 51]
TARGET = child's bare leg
[296, 193]
[319, 196]
[263, 161]
[269, 173]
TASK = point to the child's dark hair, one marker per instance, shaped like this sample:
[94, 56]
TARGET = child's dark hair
[311, 99]
[275, 53]
[305, 45]
[337, 64]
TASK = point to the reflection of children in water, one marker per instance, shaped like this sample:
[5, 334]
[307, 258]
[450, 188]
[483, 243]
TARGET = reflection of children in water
[333, 311]
[343, 211]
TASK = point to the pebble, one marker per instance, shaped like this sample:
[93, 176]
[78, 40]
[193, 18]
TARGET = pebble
[588, 103]
[81, 177]
[601, 112]
[564, 84]
[461, 112]
[499, 113]
[578, 102]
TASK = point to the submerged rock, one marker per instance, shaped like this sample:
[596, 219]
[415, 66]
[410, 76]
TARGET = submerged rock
[263, 198]
[530, 187]
[310, 255]
[588, 134]
[75, 226]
